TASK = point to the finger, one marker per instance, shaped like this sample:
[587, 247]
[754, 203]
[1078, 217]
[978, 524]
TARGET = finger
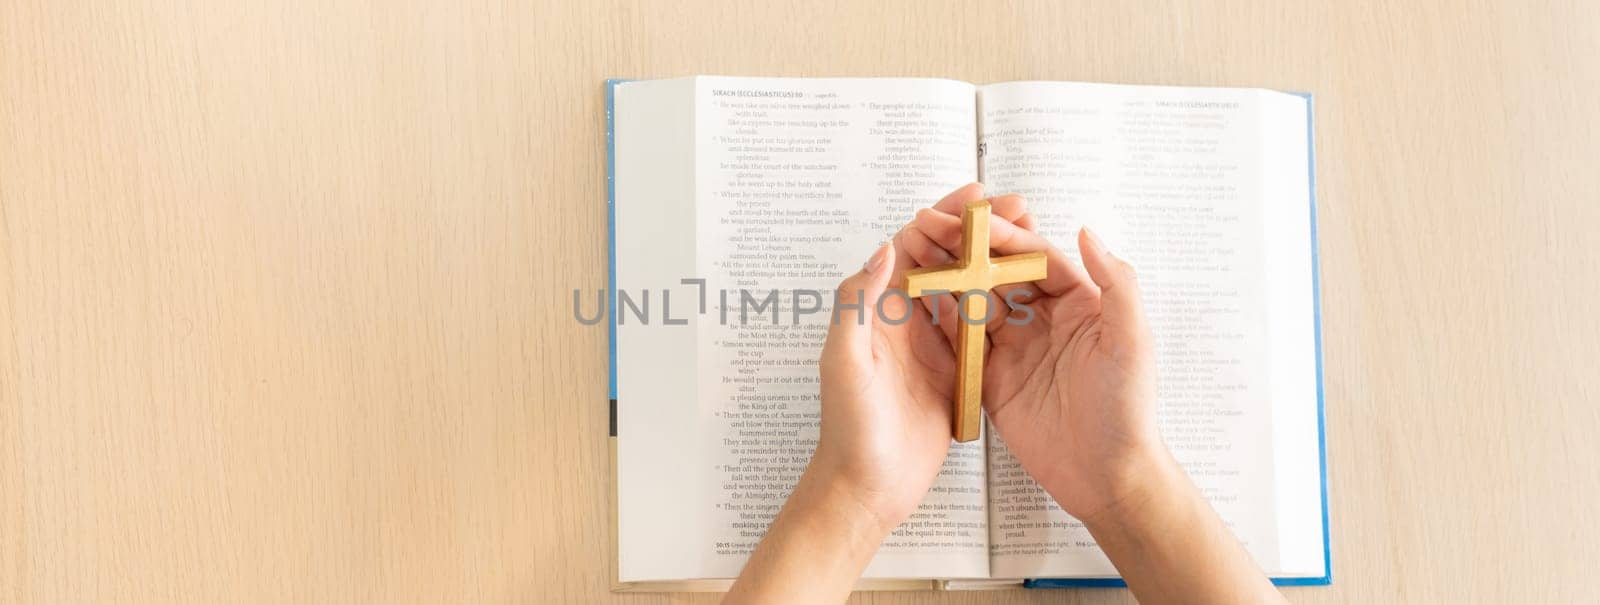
[1026, 221]
[925, 253]
[1121, 312]
[921, 250]
[902, 258]
[930, 344]
[854, 310]
[1008, 296]
[942, 314]
[1009, 206]
[896, 307]
[1061, 275]
[958, 199]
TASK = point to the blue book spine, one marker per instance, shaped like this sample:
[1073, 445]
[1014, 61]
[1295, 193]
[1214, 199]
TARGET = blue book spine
[611, 242]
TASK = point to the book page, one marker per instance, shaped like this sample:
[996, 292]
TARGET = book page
[794, 182]
[1173, 179]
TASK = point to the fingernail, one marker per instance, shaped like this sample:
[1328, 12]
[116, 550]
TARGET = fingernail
[1094, 240]
[876, 260]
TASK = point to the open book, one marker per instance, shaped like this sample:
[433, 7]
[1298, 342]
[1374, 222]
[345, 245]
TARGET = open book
[734, 199]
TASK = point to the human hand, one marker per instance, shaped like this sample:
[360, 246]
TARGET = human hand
[887, 387]
[1070, 382]
[1072, 390]
[1071, 387]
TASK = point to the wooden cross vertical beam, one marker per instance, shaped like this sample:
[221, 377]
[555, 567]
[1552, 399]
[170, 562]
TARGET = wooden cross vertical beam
[970, 278]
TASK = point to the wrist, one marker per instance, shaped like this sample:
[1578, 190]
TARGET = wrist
[814, 550]
[822, 502]
[1167, 542]
[1152, 492]
[846, 480]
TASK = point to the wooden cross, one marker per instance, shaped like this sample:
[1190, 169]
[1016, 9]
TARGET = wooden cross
[973, 273]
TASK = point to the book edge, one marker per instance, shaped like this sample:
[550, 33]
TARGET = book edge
[1316, 321]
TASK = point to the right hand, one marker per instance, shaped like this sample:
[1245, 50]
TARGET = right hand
[1072, 390]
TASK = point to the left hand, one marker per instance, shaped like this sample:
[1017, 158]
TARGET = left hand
[887, 388]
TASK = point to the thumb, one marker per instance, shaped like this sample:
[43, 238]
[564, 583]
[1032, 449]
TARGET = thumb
[1121, 311]
[855, 306]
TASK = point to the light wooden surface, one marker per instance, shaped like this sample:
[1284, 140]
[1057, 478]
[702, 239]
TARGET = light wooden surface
[285, 287]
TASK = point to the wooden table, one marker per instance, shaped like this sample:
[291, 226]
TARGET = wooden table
[285, 290]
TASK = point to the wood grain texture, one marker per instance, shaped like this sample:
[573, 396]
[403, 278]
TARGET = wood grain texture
[285, 287]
